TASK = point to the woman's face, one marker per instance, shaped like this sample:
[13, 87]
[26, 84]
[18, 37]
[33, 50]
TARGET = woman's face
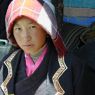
[29, 35]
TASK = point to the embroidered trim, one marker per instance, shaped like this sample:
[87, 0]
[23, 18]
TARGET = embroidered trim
[57, 75]
[7, 63]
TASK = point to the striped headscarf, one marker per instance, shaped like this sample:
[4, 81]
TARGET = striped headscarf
[40, 11]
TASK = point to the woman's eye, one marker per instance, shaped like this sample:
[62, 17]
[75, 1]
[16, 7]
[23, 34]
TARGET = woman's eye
[17, 29]
[32, 27]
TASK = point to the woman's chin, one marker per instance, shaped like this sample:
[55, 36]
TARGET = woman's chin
[27, 51]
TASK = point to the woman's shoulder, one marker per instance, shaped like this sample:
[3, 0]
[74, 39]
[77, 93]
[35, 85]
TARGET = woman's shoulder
[11, 54]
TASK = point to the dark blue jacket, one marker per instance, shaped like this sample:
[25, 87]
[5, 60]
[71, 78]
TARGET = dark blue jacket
[76, 76]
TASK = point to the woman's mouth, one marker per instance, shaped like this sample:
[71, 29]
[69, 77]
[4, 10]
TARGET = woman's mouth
[28, 45]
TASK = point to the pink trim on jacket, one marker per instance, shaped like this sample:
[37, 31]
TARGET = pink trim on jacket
[30, 65]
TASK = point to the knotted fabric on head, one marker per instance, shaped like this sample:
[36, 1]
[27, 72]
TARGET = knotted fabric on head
[41, 12]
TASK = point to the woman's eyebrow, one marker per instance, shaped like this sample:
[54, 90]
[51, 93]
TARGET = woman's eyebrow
[32, 22]
[16, 24]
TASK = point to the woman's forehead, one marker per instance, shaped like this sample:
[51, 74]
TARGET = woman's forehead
[23, 20]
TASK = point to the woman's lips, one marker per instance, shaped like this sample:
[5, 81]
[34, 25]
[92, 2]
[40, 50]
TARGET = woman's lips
[28, 45]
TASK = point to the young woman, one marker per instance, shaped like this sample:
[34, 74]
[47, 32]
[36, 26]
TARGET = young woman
[39, 65]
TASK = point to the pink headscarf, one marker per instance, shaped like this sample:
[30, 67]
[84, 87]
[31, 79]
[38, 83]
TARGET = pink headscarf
[39, 11]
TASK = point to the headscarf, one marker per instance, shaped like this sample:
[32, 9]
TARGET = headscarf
[42, 12]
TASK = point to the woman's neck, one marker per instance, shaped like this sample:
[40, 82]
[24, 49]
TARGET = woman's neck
[36, 55]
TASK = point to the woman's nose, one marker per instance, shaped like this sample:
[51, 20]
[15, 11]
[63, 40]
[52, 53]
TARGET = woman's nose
[26, 35]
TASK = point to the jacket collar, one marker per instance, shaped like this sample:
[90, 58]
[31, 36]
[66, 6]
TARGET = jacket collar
[7, 63]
